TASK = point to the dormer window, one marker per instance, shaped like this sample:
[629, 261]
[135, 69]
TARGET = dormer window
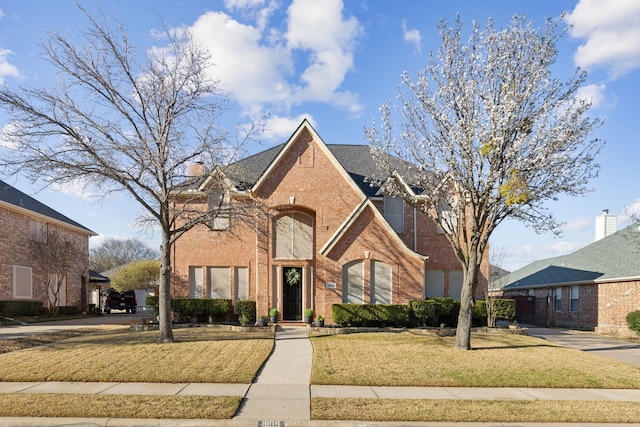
[394, 212]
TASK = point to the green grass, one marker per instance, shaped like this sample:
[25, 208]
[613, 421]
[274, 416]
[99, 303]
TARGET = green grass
[494, 411]
[199, 355]
[116, 406]
[393, 359]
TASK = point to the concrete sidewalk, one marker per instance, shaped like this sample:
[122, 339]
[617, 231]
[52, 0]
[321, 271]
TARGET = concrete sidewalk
[282, 392]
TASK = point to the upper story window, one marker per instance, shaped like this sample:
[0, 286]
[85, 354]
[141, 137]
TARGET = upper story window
[394, 212]
[38, 231]
[293, 236]
[220, 209]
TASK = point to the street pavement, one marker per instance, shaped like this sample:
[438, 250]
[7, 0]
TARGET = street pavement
[281, 394]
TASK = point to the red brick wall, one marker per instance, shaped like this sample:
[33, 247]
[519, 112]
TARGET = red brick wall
[15, 249]
[306, 180]
[615, 301]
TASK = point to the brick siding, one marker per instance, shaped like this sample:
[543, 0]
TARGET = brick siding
[306, 180]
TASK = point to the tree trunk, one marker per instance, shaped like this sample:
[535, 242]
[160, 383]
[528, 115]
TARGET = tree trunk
[164, 299]
[467, 301]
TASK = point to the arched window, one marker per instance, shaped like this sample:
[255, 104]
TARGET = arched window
[353, 282]
[293, 233]
[380, 283]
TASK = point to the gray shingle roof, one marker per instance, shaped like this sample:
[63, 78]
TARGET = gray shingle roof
[614, 257]
[13, 196]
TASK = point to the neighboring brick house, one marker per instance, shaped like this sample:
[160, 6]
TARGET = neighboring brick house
[593, 288]
[26, 222]
[330, 236]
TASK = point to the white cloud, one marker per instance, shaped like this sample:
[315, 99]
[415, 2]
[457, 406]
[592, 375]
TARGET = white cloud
[612, 33]
[594, 93]
[257, 64]
[281, 128]
[413, 37]
[6, 68]
[7, 136]
[578, 224]
[629, 214]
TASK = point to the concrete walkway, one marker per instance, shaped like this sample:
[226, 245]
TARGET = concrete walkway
[624, 351]
[282, 390]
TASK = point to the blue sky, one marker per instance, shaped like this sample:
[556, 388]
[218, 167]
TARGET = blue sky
[335, 64]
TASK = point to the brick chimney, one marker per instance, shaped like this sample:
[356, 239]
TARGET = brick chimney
[605, 224]
[197, 169]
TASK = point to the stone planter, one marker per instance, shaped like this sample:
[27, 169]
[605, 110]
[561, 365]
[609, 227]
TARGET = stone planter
[318, 323]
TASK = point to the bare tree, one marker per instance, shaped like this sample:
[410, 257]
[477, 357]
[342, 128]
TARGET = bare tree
[487, 133]
[58, 258]
[123, 119]
[115, 252]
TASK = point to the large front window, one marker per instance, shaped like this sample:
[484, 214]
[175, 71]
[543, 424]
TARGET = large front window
[293, 236]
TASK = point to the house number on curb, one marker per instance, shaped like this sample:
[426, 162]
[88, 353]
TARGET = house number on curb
[270, 423]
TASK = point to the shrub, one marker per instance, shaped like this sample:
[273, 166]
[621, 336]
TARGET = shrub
[370, 314]
[247, 309]
[208, 307]
[504, 309]
[68, 309]
[480, 313]
[196, 307]
[633, 320]
[11, 308]
[152, 301]
[425, 310]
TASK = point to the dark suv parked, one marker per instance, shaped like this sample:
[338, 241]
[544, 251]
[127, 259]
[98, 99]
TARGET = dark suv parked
[120, 301]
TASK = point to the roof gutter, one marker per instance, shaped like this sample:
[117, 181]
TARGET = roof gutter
[37, 215]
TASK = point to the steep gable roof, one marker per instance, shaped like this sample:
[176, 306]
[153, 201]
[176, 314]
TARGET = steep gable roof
[615, 257]
[12, 198]
[341, 232]
[356, 160]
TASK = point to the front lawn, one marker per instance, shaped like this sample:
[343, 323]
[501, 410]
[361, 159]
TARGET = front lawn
[199, 355]
[497, 360]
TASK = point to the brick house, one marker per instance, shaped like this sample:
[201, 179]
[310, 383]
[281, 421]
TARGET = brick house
[27, 222]
[593, 288]
[328, 237]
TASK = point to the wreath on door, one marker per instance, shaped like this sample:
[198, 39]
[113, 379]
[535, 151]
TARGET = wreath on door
[293, 276]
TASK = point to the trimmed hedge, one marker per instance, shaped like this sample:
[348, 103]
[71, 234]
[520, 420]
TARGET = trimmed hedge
[68, 309]
[194, 307]
[370, 314]
[633, 320]
[12, 308]
[435, 311]
[504, 309]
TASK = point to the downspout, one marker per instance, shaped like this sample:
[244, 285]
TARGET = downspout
[415, 229]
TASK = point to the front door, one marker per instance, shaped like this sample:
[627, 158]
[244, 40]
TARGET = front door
[292, 293]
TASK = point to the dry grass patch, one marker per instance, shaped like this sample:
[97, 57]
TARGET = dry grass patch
[115, 406]
[538, 411]
[392, 359]
[199, 355]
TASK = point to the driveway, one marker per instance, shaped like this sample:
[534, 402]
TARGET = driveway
[624, 351]
[115, 318]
